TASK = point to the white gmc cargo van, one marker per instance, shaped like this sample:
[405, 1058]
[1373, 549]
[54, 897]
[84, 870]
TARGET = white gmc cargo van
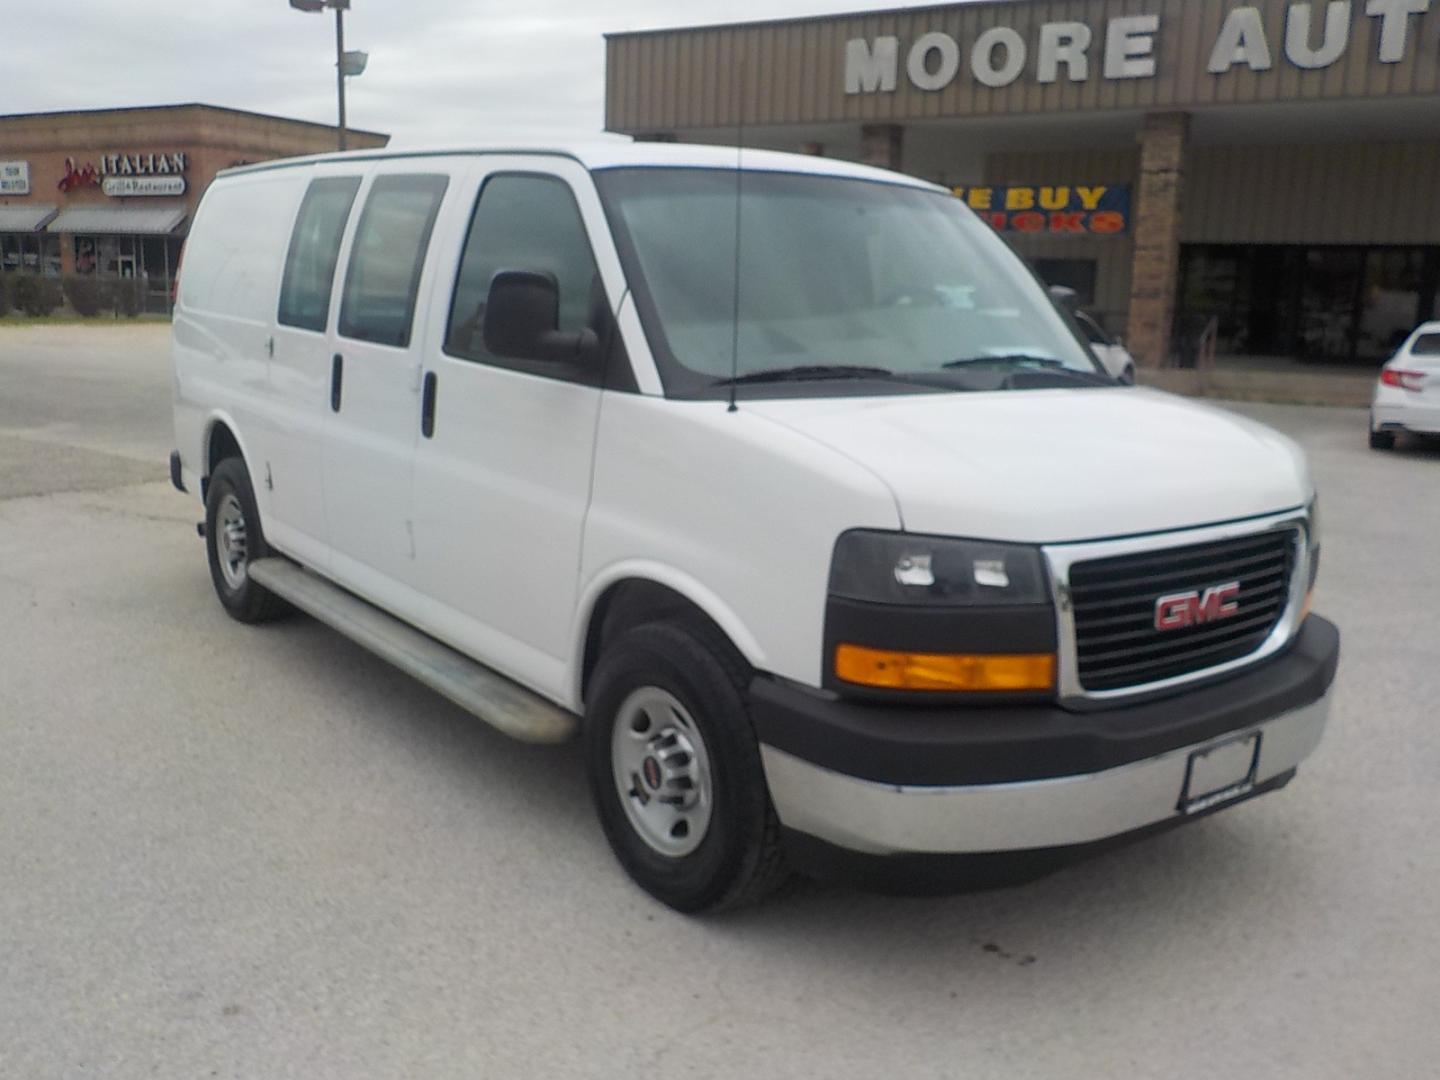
[784, 486]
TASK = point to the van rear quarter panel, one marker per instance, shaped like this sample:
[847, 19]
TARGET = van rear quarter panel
[733, 510]
[229, 287]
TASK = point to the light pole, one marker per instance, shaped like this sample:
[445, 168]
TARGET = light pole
[346, 63]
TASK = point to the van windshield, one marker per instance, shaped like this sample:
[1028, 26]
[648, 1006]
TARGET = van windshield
[845, 286]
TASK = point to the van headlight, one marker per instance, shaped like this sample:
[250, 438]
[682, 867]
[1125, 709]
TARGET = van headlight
[901, 568]
[900, 604]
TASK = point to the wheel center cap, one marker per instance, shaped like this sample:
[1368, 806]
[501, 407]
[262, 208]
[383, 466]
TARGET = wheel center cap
[651, 768]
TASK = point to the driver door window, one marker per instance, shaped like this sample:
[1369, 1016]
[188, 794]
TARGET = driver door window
[524, 222]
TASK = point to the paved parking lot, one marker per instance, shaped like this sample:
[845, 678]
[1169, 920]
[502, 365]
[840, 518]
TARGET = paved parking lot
[247, 853]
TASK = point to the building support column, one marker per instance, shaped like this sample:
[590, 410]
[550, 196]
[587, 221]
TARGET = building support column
[1156, 267]
[881, 145]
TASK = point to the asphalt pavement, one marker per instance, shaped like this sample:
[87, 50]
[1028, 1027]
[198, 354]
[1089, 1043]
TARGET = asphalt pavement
[256, 852]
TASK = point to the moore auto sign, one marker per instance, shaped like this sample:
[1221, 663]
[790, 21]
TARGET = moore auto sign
[1315, 35]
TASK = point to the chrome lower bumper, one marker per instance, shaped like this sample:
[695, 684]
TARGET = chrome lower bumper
[885, 819]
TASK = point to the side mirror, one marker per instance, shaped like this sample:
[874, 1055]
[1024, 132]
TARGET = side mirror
[1065, 297]
[522, 318]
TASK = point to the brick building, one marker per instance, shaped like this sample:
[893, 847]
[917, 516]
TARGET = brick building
[111, 191]
[1271, 166]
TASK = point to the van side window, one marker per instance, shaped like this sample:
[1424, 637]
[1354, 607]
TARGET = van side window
[378, 304]
[523, 222]
[314, 251]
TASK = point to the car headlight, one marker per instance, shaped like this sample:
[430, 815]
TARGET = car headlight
[933, 614]
[901, 568]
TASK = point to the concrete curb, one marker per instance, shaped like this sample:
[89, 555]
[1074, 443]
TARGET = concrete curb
[1280, 388]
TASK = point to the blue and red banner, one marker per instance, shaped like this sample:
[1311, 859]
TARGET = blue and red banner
[1051, 209]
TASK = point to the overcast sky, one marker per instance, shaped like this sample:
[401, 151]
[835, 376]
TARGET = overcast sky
[440, 70]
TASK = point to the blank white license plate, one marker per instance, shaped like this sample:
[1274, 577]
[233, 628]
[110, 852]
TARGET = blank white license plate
[1220, 773]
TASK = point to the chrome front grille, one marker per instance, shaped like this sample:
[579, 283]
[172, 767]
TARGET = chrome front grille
[1113, 601]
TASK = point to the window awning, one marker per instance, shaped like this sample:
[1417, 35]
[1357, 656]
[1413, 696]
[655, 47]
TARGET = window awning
[151, 220]
[25, 217]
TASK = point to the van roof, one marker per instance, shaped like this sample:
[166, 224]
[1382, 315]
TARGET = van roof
[614, 154]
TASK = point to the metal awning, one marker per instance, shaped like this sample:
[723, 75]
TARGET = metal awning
[150, 220]
[25, 217]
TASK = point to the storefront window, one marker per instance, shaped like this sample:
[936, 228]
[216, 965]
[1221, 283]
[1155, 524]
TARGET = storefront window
[1216, 284]
[84, 254]
[30, 253]
[154, 259]
[117, 256]
[1394, 281]
[1345, 304]
[1328, 300]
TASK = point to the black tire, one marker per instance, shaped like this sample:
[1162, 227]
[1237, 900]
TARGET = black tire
[241, 597]
[1382, 440]
[739, 860]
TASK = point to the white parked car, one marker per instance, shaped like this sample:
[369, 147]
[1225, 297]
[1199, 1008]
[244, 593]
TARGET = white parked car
[1110, 351]
[1407, 397]
[825, 561]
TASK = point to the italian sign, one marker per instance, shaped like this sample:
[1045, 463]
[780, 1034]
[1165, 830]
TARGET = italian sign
[14, 178]
[1053, 209]
[129, 174]
[122, 186]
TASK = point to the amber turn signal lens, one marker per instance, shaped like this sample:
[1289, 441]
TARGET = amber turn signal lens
[887, 670]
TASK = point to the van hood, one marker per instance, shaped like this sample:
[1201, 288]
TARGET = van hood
[1054, 466]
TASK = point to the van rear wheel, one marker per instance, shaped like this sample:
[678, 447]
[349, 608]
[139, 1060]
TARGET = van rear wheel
[675, 771]
[233, 540]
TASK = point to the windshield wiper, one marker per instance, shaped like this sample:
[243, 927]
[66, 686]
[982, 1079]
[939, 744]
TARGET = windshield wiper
[806, 372]
[1007, 360]
[1034, 370]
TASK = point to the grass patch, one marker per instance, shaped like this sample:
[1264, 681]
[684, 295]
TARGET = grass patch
[14, 320]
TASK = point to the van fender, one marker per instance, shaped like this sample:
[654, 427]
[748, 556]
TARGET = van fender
[687, 586]
[214, 419]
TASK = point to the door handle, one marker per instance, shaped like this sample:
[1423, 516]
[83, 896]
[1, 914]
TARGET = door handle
[427, 406]
[337, 376]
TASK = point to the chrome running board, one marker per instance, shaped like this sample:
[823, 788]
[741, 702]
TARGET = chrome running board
[500, 702]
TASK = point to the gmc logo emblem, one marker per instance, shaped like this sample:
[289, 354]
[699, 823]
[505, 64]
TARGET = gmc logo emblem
[1180, 610]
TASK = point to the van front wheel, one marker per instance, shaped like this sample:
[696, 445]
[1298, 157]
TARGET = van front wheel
[233, 541]
[675, 771]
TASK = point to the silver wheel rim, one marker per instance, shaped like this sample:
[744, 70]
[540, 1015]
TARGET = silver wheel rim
[232, 544]
[662, 772]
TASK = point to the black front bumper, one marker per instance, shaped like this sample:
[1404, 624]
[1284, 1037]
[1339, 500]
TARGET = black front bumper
[997, 744]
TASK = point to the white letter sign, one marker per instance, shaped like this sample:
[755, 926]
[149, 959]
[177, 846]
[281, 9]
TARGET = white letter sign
[1394, 16]
[1130, 47]
[871, 69]
[1063, 43]
[982, 57]
[1332, 45]
[918, 63]
[1241, 41]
